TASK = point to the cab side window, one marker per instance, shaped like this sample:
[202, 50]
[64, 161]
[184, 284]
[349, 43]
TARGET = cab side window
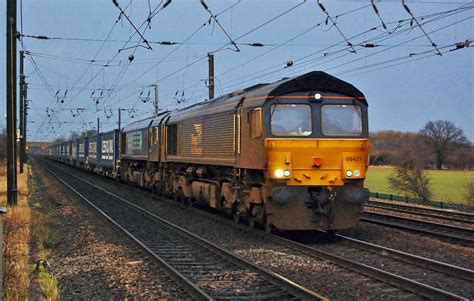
[255, 122]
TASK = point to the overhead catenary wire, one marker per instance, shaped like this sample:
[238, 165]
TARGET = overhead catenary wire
[171, 43]
[422, 17]
[220, 48]
[383, 35]
[285, 43]
[256, 43]
[148, 20]
[404, 42]
[288, 41]
[85, 71]
[408, 59]
[238, 38]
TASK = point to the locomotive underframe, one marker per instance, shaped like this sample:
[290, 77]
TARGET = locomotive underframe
[247, 194]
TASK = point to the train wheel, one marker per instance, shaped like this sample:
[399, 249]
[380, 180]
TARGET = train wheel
[331, 235]
[178, 196]
[236, 216]
[270, 229]
[252, 222]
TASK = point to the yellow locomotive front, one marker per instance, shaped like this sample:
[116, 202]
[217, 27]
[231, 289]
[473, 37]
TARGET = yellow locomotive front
[317, 150]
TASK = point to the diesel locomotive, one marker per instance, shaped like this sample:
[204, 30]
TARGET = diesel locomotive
[288, 155]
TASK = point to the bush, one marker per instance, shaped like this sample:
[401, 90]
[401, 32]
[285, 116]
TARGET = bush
[411, 178]
[470, 194]
[48, 286]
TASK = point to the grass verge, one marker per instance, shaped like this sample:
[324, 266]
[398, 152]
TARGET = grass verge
[17, 234]
[27, 238]
[44, 242]
[446, 185]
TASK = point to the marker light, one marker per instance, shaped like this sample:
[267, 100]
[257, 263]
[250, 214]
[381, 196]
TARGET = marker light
[287, 173]
[356, 173]
[279, 173]
[317, 161]
[349, 173]
[317, 96]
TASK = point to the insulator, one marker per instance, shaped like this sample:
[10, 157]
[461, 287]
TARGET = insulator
[204, 4]
[166, 4]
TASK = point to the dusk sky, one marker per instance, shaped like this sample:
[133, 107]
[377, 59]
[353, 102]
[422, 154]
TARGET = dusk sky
[406, 83]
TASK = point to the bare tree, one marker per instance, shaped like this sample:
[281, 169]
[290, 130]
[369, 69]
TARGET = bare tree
[88, 133]
[77, 135]
[59, 139]
[74, 136]
[461, 158]
[387, 147]
[443, 137]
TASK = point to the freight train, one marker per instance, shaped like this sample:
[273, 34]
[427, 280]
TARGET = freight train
[288, 155]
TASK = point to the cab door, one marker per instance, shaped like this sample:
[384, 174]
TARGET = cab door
[251, 148]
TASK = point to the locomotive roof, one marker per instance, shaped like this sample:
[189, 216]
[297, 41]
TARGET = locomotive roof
[256, 95]
[108, 132]
[144, 123]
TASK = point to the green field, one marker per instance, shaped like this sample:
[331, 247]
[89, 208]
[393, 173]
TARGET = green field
[447, 185]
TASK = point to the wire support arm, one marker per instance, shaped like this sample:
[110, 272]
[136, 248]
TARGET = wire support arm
[122, 12]
[328, 16]
[405, 6]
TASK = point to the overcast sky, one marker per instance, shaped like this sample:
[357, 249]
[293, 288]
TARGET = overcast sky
[403, 91]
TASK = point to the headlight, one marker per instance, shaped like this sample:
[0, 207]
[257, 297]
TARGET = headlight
[349, 173]
[356, 173]
[287, 173]
[279, 173]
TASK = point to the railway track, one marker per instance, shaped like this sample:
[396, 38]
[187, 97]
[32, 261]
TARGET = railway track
[434, 265]
[406, 287]
[448, 215]
[453, 233]
[202, 268]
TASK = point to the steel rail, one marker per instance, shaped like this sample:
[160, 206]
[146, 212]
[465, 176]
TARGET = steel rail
[274, 278]
[454, 233]
[450, 215]
[372, 272]
[413, 286]
[435, 265]
[431, 264]
[194, 291]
